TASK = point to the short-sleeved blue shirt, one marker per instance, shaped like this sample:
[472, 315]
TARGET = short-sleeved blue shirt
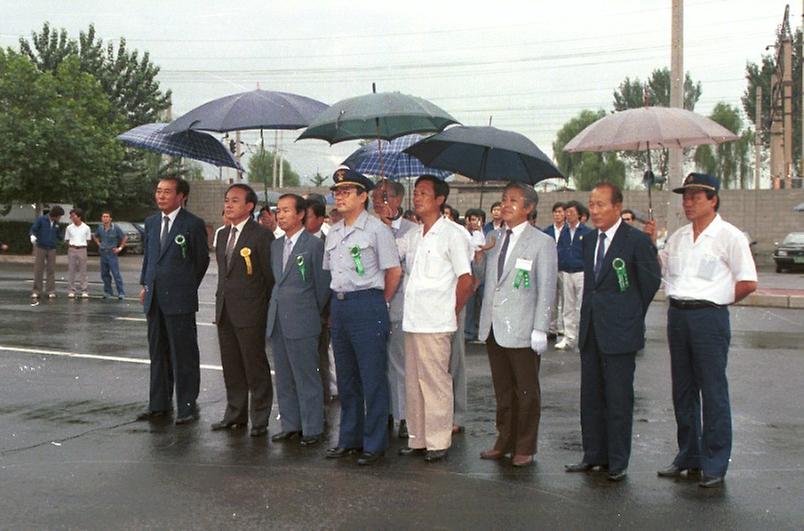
[109, 239]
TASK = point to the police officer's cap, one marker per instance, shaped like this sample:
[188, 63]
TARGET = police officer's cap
[345, 176]
[699, 181]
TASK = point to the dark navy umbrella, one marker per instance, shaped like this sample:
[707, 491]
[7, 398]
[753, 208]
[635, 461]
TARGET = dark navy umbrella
[191, 144]
[392, 162]
[257, 109]
[485, 154]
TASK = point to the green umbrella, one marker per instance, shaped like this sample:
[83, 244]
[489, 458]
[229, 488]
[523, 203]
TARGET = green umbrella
[383, 115]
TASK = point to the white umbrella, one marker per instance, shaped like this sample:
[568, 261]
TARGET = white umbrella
[649, 128]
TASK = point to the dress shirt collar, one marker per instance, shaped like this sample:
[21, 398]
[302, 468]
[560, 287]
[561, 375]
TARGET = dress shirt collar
[171, 215]
[611, 232]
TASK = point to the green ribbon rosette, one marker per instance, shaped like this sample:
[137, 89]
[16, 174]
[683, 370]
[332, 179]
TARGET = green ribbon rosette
[622, 275]
[358, 263]
[302, 267]
[522, 276]
[181, 241]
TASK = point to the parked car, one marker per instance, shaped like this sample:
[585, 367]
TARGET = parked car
[132, 232]
[789, 253]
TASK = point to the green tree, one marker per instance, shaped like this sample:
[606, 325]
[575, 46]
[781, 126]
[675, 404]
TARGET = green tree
[261, 168]
[57, 134]
[132, 89]
[586, 169]
[728, 161]
[318, 179]
[633, 93]
[760, 75]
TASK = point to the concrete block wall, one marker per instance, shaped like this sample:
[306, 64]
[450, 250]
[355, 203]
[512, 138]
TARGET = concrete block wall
[766, 214]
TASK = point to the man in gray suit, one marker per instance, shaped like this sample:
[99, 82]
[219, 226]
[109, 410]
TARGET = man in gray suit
[520, 284]
[294, 323]
[387, 199]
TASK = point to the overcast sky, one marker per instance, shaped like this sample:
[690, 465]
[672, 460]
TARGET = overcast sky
[531, 65]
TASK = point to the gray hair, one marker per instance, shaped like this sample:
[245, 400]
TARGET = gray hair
[394, 188]
[531, 197]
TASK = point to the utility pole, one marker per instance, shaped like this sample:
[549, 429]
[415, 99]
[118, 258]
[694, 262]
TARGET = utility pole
[281, 165]
[238, 154]
[758, 137]
[675, 170]
[274, 172]
[787, 83]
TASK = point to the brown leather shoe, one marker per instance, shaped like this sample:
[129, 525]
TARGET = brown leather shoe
[492, 455]
[520, 460]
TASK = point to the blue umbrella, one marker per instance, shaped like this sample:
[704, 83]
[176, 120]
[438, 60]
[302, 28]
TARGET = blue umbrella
[386, 159]
[257, 109]
[191, 144]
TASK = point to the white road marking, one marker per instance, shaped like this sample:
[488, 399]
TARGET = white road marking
[123, 359]
[143, 320]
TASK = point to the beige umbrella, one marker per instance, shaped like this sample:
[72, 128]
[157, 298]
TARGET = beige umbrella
[649, 128]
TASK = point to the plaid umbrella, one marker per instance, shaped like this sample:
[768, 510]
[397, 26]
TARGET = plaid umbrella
[395, 164]
[191, 144]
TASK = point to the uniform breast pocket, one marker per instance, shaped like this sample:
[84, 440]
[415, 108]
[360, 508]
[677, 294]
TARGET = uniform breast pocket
[707, 266]
[362, 250]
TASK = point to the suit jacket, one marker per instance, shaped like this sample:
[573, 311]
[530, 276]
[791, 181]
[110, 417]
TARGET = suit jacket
[170, 275]
[515, 312]
[244, 296]
[296, 302]
[619, 317]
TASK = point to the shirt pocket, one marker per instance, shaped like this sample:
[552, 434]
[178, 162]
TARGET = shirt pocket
[707, 266]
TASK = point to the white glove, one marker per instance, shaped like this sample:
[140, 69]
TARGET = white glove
[538, 341]
[33, 239]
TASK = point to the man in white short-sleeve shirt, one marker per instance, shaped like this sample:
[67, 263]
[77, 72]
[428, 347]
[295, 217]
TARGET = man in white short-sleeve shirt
[77, 234]
[706, 266]
[438, 282]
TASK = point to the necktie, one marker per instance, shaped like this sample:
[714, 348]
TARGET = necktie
[230, 245]
[286, 252]
[163, 239]
[503, 252]
[601, 253]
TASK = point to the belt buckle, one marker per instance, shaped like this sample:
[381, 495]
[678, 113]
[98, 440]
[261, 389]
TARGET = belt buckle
[340, 296]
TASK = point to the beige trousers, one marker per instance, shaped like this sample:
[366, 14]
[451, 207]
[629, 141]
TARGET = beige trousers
[428, 390]
[44, 259]
[572, 292]
[76, 266]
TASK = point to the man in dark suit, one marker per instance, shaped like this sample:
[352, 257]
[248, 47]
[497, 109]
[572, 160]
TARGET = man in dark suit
[175, 261]
[245, 281]
[621, 276]
[294, 323]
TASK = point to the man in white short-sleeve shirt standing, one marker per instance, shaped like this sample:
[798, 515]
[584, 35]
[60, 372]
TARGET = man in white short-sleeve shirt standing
[438, 284]
[706, 266]
[77, 234]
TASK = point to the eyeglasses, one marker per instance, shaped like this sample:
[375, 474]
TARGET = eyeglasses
[343, 190]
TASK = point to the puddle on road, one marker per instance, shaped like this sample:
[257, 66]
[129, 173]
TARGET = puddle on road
[71, 412]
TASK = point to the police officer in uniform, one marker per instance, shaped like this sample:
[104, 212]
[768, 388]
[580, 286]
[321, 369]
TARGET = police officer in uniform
[361, 254]
[706, 265]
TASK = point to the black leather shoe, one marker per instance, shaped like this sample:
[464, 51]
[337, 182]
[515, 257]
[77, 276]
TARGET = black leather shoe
[224, 425]
[369, 458]
[407, 450]
[403, 429]
[338, 452]
[152, 415]
[674, 471]
[435, 455]
[709, 482]
[187, 418]
[285, 436]
[311, 441]
[258, 431]
[578, 467]
[617, 475]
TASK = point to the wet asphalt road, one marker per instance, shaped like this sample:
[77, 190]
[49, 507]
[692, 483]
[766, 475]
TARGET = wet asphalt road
[71, 456]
